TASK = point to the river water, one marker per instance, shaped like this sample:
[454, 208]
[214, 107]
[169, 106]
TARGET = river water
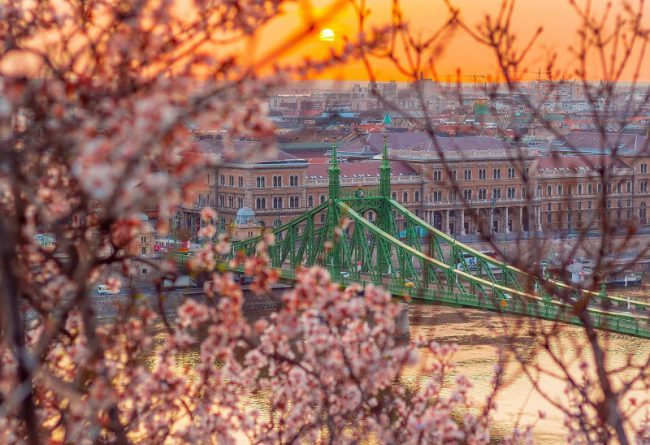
[479, 334]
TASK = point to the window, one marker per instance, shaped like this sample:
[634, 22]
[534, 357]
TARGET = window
[589, 189]
[260, 203]
[261, 182]
[322, 199]
[496, 193]
[497, 173]
[482, 194]
[548, 207]
[452, 174]
[394, 195]
[618, 188]
[579, 205]
[240, 181]
[549, 191]
[628, 187]
[579, 189]
[468, 175]
[599, 187]
[589, 205]
[277, 181]
[416, 196]
[437, 175]
[222, 179]
[467, 194]
[511, 192]
[643, 185]
[405, 197]
[644, 168]
[437, 196]
[559, 190]
[231, 180]
[511, 172]
[293, 181]
[642, 213]
[277, 203]
[482, 174]
[539, 191]
[452, 195]
[310, 201]
[143, 251]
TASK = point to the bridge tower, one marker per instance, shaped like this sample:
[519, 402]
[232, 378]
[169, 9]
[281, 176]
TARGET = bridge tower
[333, 217]
[384, 216]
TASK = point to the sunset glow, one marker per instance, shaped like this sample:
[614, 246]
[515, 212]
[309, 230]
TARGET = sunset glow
[558, 20]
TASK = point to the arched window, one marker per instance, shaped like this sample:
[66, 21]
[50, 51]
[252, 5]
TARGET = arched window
[310, 201]
[405, 197]
[579, 189]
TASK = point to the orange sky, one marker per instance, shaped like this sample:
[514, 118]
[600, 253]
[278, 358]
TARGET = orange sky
[557, 18]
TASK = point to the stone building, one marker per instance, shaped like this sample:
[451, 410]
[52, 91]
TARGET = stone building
[461, 185]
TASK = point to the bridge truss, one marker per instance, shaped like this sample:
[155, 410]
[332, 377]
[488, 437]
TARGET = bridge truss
[358, 241]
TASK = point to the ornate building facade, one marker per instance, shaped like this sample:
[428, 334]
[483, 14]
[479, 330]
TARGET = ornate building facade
[462, 185]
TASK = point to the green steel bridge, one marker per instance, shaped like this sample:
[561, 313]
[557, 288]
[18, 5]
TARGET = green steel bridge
[420, 262]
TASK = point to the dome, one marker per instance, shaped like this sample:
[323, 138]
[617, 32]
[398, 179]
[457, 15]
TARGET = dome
[245, 215]
[142, 216]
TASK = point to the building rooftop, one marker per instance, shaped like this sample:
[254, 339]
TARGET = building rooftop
[603, 143]
[418, 141]
[579, 163]
[359, 169]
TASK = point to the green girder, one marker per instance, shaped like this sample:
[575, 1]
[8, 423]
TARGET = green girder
[377, 252]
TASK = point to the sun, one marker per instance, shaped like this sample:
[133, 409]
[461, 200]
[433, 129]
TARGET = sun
[326, 35]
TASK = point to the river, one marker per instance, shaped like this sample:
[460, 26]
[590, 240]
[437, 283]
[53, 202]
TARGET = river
[478, 335]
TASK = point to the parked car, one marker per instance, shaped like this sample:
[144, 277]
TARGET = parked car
[103, 289]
